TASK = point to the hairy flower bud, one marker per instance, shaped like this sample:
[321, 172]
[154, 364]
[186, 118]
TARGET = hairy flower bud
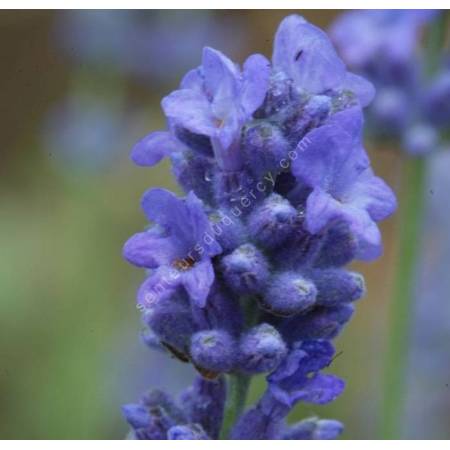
[320, 323]
[261, 349]
[213, 350]
[273, 221]
[171, 320]
[245, 270]
[335, 286]
[265, 146]
[338, 248]
[288, 294]
[227, 229]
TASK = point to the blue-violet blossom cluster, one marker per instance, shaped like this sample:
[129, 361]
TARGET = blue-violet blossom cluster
[245, 273]
[383, 46]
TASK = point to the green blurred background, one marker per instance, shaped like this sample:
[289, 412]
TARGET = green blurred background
[69, 348]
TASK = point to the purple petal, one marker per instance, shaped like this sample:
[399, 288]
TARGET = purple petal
[254, 424]
[169, 211]
[374, 195]
[186, 432]
[289, 366]
[255, 82]
[305, 54]
[329, 159]
[221, 75]
[226, 135]
[321, 209]
[362, 88]
[136, 415]
[200, 226]
[193, 80]
[370, 245]
[191, 110]
[350, 120]
[184, 219]
[159, 286]
[152, 148]
[320, 354]
[319, 390]
[332, 157]
[149, 250]
[314, 429]
[198, 281]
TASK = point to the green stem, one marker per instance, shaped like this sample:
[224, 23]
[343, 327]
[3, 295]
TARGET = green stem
[434, 43]
[411, 206]
[238, 385]
[410, 220]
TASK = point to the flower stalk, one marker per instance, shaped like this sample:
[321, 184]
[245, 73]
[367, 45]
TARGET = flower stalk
[237, 389]
[410, 220]
[412, 201]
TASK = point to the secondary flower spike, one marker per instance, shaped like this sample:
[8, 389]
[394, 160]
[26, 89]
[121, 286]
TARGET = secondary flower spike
[246, 273]
[383, 45]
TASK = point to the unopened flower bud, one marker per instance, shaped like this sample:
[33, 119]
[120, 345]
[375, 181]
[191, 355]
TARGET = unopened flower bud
[213, 350]
[289, 293]
[172, 322]
[339, 247]
[245, 270]
[273, 221]
[337, 286]
[261, 349]
[265, 146]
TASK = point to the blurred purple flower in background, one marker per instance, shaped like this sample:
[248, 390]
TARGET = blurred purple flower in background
[154, 46]
[384, 46]
[87, 134]
[88, 131]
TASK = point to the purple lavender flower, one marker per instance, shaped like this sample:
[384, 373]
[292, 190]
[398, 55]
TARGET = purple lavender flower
[180, 252]
[304, 53]
[247, 271]
[336, 167]
[297, 378]
[383, 45]
[197, 415]
[387, 36]
[217, 99]
[85, 133]
[148, 45]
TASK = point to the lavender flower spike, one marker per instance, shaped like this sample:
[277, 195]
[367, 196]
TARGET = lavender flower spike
[384, 46]
[246, 273]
